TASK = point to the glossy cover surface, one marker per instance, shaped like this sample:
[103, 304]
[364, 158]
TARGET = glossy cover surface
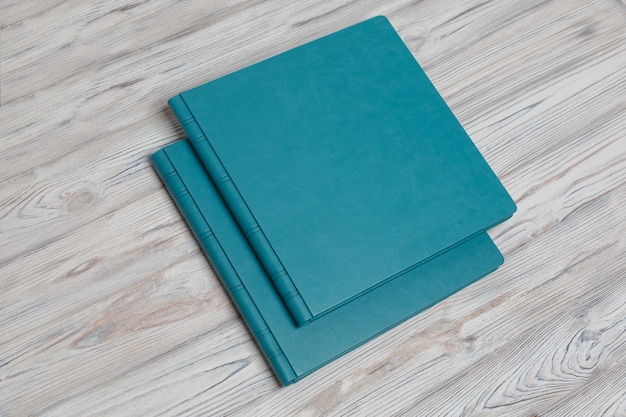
[293, 351]
[342, 164]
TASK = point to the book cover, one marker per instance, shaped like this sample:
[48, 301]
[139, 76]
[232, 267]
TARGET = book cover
[294, 352]
[342, 164]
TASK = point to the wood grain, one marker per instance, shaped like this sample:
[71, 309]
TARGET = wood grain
[109, 308]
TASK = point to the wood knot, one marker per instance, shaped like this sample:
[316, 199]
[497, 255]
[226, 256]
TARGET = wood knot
[83, 267]
[79, 196]
[416, 41]
[587, 31]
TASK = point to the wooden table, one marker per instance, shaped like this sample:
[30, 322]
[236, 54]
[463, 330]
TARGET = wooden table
[109, 308]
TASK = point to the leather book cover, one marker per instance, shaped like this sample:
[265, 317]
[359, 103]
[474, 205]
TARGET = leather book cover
[342, 164]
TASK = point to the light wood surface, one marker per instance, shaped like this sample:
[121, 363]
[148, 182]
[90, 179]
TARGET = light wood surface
[108, 307]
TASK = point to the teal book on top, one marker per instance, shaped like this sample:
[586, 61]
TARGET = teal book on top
[294, 352]
[342, 164]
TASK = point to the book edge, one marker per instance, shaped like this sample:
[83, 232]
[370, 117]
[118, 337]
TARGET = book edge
[226, 272]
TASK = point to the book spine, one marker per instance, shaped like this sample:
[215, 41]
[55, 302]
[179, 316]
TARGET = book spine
[248, 224]
[225, 270]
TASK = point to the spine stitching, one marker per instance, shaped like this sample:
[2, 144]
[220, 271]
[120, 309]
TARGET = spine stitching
[255, 236]
[219, 259]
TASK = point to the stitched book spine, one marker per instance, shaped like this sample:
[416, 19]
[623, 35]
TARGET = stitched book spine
[220, 261]
[236, 204]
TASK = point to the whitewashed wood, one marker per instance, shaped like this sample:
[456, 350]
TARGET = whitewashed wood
[109, 308]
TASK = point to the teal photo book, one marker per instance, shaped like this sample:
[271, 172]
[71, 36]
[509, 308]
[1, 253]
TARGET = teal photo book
[292, 351]
[344, 168]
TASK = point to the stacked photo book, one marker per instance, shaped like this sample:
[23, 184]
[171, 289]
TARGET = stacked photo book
[334, 192]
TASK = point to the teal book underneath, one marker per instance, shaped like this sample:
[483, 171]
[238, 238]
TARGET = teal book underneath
[342, 164]
[294, 352]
